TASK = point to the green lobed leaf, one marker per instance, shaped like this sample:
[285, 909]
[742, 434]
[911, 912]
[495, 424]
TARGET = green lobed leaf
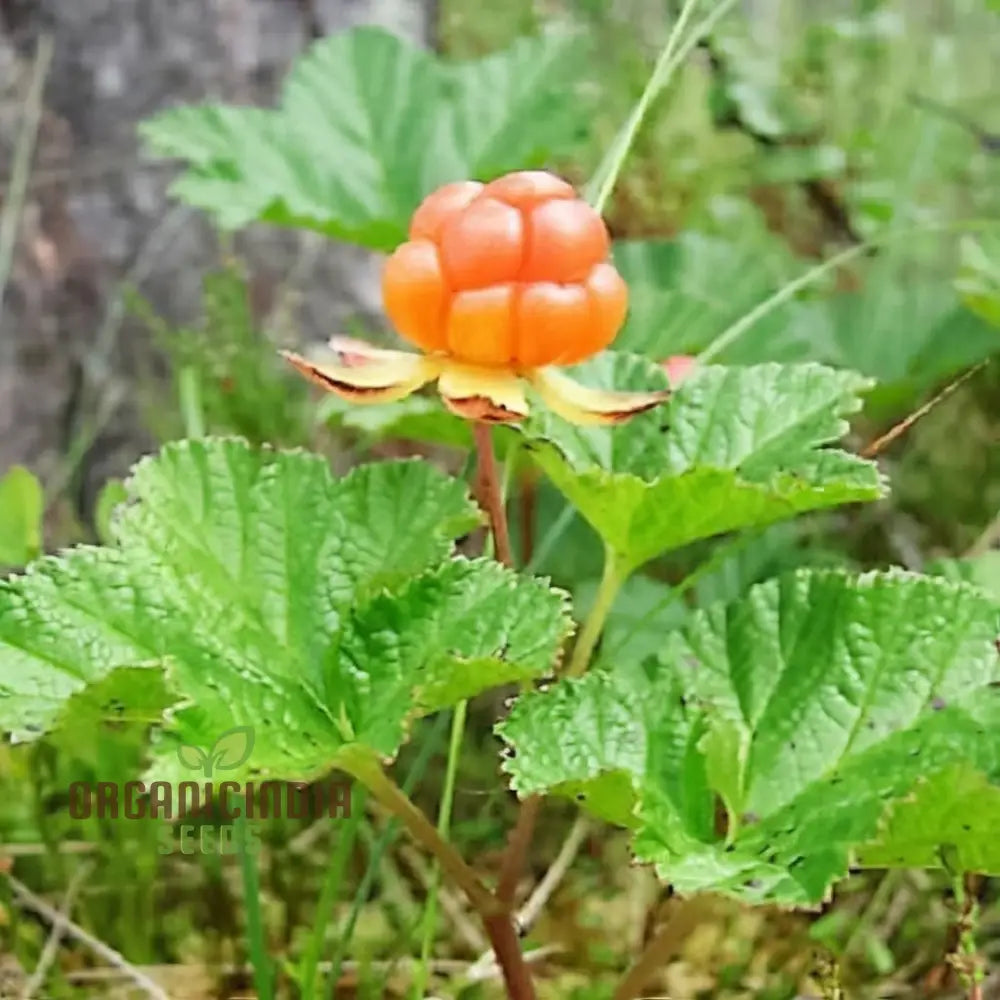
[368, 125]
[950, 821]
[318, 611]
[734, 447]
[808, 709]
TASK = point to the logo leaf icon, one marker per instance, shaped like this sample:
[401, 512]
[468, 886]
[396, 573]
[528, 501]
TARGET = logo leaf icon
[192, 757]
[232, 748]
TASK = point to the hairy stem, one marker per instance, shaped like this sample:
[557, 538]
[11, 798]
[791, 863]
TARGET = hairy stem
[386, 837]
[507, 948]
[611, 582]
[490, 495]
[519, 842]
[965, 958]
[496, 918]
[518, 845]
[363, 765]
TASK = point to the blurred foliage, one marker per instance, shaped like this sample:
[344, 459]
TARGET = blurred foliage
[369, 125]
[227, 368]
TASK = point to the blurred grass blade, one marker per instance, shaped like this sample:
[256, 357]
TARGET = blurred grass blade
[23, 153]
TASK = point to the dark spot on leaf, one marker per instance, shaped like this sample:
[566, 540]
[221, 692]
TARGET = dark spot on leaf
[796, 861]
[749, 818]
[730, 848]
[966, 827]
[791, 746]
[938, 703]
[580, 797]
[915, 752]
[754, 883]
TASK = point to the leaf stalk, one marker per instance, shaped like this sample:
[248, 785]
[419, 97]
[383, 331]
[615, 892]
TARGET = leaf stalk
[497, 921]
[614, 576]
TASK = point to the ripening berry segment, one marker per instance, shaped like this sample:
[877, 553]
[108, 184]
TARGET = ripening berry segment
[415, 295]
[437, 208]
[483, 245]
[514, 274]
[480, 326]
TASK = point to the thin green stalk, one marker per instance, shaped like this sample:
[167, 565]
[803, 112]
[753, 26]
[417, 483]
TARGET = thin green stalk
[783, 294]
[606, 176]
[421, 973]
[385, 838]
[718, 557]
[602, 183]
[334, 877]
[24, 152]
[551, 539]
[256, 943]
[615, 574]
[190, 403]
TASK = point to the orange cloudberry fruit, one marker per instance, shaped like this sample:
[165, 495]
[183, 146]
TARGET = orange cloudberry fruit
[514, 273]
[498, 284]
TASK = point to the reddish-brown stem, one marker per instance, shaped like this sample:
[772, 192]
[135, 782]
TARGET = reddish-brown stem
[880, 443]
[488, 488]
[500, 926]
[491, 499]
[496, 918]
[507, 948]
[659, 950]
[518, 845]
